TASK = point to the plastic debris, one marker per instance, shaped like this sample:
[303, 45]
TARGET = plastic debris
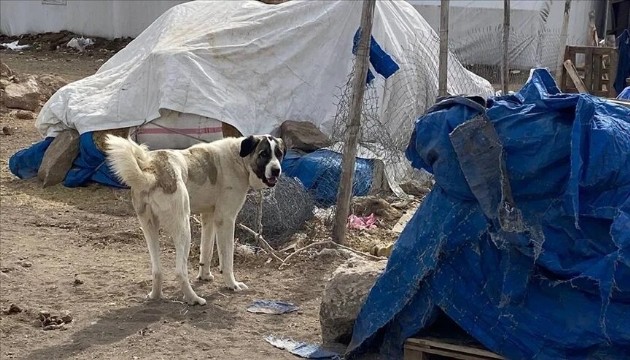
[362, 222]
[274, 307]
[14, 46]
[301, 349]
[80, 43]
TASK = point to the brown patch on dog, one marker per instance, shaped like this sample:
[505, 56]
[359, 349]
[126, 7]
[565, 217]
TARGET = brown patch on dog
[201, 167]
[165, 175]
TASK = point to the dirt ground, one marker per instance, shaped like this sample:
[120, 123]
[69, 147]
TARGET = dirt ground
[82, 251]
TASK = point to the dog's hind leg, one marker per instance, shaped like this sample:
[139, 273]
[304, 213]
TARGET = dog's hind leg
[150, 228]
[177, 223]
[225, 242]
[208, 235]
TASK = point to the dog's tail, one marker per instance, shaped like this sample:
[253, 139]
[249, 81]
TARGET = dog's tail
[128, 160]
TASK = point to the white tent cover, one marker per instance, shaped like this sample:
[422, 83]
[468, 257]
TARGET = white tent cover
[254, 65]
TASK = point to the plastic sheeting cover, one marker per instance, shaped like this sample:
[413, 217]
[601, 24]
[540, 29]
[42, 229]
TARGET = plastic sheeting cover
[552, 284]
[254, 65]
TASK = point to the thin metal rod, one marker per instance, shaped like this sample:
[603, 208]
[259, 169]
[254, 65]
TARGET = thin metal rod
[505, 66]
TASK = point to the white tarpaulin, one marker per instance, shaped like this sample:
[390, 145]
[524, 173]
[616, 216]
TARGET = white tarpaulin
[254, 66]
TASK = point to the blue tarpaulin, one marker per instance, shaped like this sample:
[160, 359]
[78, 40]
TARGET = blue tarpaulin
[524, 241]
[623, 62]
[88, 166]
[320, 172]
[625, 94]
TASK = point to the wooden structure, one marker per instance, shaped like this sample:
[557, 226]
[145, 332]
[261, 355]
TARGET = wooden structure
[426, 349]
[598, 72]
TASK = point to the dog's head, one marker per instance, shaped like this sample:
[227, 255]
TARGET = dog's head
[264, 154]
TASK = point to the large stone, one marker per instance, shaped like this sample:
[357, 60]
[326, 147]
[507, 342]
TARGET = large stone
[59, 157]
[303, 136]
[415, 188]
[344, 296]
[5, 71]
[23, 95]
[366, 205]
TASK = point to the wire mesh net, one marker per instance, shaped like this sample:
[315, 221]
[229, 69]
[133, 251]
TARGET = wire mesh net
[286, 208]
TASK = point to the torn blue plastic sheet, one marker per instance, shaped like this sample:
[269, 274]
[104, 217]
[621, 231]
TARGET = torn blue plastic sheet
[537, 269]
[301, 349]
[272, 307]
[380, 60]
[625, 94]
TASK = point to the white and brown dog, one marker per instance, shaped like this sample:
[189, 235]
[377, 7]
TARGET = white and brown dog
[211, 179]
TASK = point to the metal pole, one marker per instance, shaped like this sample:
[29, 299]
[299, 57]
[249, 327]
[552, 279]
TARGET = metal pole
[354, 117]
[505, 66]
[443, 67]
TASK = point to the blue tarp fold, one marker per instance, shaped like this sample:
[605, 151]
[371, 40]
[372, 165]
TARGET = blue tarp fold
[536, 265]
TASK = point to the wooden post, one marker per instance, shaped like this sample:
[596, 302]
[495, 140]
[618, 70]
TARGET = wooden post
[443, 70]
[605, 32]
[563, 41]
[505, 66]
[354, 117]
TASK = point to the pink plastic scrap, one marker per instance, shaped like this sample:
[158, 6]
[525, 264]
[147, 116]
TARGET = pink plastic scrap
[361, 222]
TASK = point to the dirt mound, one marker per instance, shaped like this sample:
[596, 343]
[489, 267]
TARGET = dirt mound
[58, 41]
[26, 93]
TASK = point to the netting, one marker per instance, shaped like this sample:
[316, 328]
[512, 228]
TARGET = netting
[286, 208]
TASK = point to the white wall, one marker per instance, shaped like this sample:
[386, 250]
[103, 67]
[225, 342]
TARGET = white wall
[103, 18]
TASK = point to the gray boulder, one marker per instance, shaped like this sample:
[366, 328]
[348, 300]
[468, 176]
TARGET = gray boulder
[344, 296]
[303, 135]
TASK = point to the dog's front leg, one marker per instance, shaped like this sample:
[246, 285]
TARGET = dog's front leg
[208, 234]
[225, 242]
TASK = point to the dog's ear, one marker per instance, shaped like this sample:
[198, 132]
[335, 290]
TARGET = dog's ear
[282, 146]
[248, 145]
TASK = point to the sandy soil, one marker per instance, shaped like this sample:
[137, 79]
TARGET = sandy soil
[81, 250]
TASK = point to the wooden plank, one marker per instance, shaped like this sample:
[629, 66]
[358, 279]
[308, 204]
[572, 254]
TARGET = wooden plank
[428, 343]
[625, 103]
[568, 66]
[597, 72]
[413, 353]
[588, 70]
[445, 353]
[612, 73]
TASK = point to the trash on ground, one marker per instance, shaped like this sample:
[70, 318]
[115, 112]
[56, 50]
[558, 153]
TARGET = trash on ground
[301, 349]
[14, 46]
[80, 43]
[361, 222]
[272, 307]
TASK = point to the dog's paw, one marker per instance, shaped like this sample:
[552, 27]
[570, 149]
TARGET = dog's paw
[154, 296]
[205, 277]
[238, 286]
[195, 300]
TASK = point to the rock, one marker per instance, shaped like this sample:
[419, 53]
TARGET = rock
[58, 158]
[413, 187]
[5, 71]
[49, 84]
[43, 315]
[13, 309]
[366, 205]
[24, 115]
[23, 95]
[66, 317]
[303, 136]
[7, 130]
[344, 295]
